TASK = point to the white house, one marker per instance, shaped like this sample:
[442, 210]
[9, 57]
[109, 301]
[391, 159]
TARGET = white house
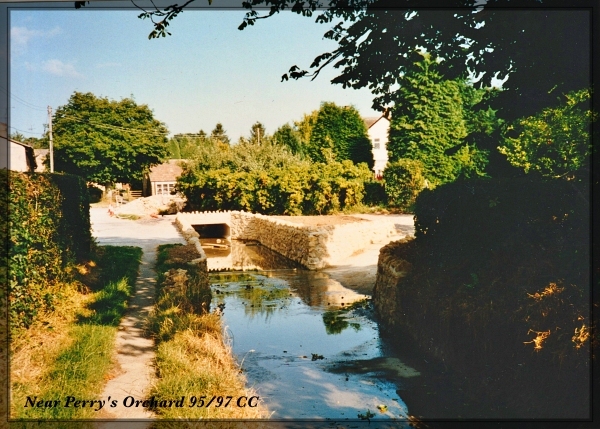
[378, 129]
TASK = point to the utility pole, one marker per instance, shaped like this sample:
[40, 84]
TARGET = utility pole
[50, 136]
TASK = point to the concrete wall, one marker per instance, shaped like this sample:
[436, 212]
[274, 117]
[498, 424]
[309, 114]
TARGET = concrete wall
[18, 157]
[314, 247]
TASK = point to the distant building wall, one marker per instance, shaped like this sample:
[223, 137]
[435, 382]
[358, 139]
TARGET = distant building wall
[378, 130]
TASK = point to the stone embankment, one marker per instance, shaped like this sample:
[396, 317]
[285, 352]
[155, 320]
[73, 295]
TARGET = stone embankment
[313, 246]
[390, 271]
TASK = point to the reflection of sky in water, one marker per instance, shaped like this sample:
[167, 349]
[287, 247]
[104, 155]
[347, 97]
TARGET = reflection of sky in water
[277, 342]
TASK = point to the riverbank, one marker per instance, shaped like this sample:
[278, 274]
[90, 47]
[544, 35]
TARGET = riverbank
[505, 311]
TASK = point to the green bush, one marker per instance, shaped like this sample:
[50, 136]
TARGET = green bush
[555, 142]
[268, 179]
[74, 229]
[49, 229]
[496, 262]
[403, 182]
[375, 193]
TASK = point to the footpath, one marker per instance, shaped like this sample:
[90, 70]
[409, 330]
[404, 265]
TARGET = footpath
[134, 353]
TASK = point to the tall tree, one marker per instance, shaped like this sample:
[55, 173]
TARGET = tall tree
[288, 136]
[431, 118]
[219, 134]
[107, 141]
[339, 133]
[258, 133]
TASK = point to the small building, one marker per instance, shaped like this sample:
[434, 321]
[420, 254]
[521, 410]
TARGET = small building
[378, 129]
[15, 155]
[40, 158]
[161, 179]
[22, 157]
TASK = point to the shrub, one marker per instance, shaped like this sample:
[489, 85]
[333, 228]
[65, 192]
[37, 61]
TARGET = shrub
[375, 193]
[74, 228]
[49, 229]
[403, 182]
[268, 179]
[555, 142]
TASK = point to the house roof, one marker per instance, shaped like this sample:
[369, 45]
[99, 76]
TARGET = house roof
[20, 143]
[166, 172]
[372, 120]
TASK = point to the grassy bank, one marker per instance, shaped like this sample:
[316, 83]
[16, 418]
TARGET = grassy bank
[69, 351]
[192, 359]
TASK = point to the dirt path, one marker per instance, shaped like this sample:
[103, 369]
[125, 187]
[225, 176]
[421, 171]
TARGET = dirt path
[134, 353]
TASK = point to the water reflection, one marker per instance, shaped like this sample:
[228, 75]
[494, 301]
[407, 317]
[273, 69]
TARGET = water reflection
[243, 255]
[259, 294]
[306, 343]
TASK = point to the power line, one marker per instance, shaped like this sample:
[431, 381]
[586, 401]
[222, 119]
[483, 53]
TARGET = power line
[22, 101]
[28, 132]
[115, 127]
[98, 124]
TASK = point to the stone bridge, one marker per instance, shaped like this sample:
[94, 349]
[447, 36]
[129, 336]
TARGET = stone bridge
[209, 224]
[314, 247]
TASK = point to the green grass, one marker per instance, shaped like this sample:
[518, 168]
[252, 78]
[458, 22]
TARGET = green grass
[191, 358]
[81, 367]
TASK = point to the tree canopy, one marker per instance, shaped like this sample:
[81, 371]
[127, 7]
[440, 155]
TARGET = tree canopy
[107, 141]
[339, 133]
[541, 50]
[432, 117]
[555, 142]
[219, 134]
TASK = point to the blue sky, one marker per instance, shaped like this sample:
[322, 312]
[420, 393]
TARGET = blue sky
[206, 72]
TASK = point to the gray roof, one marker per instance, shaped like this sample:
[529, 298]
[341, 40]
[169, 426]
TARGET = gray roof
[372, 120]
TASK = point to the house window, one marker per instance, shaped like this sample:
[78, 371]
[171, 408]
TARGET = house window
[375, 145]
[164, 188]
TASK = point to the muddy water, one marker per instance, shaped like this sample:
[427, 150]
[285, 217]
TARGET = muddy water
[307, 345]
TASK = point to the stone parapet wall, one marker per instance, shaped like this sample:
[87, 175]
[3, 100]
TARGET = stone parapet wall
[314, 247]
[390, 271]
[300, 243]
[190, 235]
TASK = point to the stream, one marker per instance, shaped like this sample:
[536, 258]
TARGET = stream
[307, 345]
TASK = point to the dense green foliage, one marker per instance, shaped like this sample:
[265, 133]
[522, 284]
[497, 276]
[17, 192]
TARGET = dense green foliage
[432, 117]
[339, 133]
[491, 268]
[403, 182]
[331, 133]
[74, 230]
[49, 229]
[269, 179]
[288, 136]
[107, 141]
[555, 142]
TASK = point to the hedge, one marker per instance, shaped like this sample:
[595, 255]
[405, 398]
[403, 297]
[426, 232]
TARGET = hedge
[296, 189]
[49, 229]
[403, 181]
